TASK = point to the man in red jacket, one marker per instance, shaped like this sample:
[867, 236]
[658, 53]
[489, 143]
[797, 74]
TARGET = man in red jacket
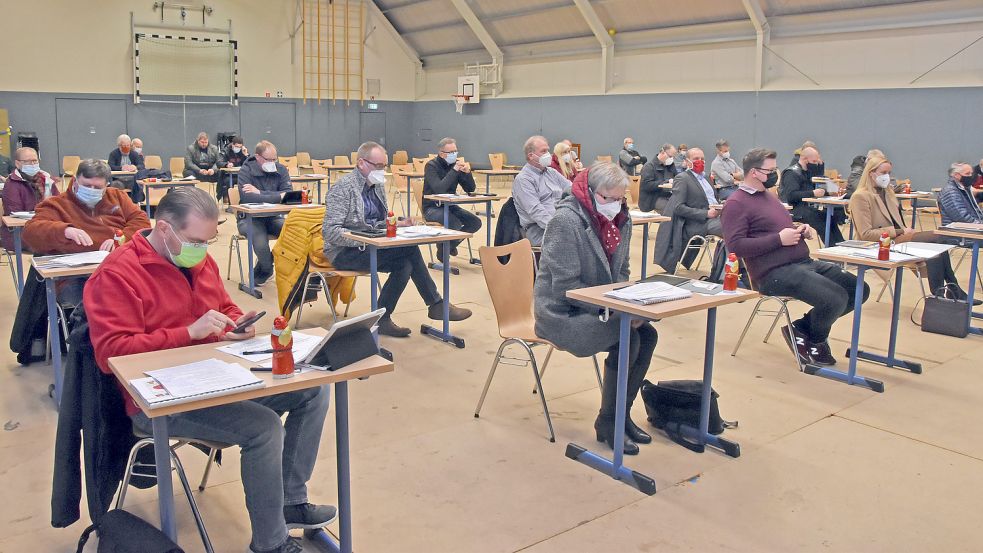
[162, 290]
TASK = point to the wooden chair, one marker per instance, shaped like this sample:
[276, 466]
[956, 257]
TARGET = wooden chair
[235, 239]
[400, 157]
[497, 161]
[288, 161]
[153, 162]
[342, 160]
[634, 189]
[304, 158]
[354, 157]
[419, 163]
[604, 158]
[398, 186]
[324, 274]
[70, 164]
[176, 167]
[510, 286]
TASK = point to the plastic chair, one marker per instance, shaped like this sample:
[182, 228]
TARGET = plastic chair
[782, 310]
[234, 240]
[510, 286]
[400, 157]
[176, 167]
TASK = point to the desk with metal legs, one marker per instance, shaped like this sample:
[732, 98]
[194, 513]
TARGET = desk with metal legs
[250, 211]
[129, 367]
[16, 227]
[646, 219]
[489, 173]
[157, 185]
[974, 238]
[830, 205]
[628, 312]
[447, 200]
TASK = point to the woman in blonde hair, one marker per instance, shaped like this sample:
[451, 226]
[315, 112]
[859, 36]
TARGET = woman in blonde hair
[874, 210]
[565, 160]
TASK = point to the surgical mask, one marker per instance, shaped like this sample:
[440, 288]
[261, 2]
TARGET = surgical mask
[124, 149]
[610, 210]
[237, 149]
[89, 196]
[725, 155]
[668, 160]
[698, 166]
[269, 167]
[138, 150]
[545, 160]
[190, 255]
[568, 158]
[451, 158]
[30, 170]
[883, 180]
[377, 176]
[630, 146]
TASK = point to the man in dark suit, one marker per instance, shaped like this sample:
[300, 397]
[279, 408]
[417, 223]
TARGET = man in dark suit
[694, 209]
[796, 185]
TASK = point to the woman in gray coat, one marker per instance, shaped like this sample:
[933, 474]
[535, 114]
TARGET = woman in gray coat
[586, 244]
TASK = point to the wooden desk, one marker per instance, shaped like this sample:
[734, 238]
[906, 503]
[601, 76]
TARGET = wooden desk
[465, 199]
[16, 226]
[374, 244]
[328, 169]
[248, 212]
[410, 175]
[159, 184]
[123, 173]
[230, 171]
[50, 277]
[129, 367]
[629, 311]
[489, 173]
[312, 178]
[975, 238]
[830, 204]
[862, 264]
[914, 197]
[645, 219]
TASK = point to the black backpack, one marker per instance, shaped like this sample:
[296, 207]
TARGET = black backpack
[123, 532]
[672, 403]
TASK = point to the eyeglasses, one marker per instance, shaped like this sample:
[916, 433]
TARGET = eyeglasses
[766, 171]
[378, 166]
[450, 152]
[195, 243]
[610, 198]
[29, 161]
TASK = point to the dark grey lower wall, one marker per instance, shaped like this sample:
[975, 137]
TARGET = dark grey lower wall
[921, 130]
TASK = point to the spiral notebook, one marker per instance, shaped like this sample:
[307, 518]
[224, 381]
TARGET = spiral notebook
[198, 380]
[646, 293]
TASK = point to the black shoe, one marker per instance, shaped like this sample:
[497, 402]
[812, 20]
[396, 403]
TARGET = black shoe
[454, 251]
[261, 278]
[801, 345]
[636, 434]
[309, 516]
[604, 428]
[388, 328]
[961, 294]
[821, 354]
[436, 312]
[292, 545]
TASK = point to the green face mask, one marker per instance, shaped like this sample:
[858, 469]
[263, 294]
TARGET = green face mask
[190, 255]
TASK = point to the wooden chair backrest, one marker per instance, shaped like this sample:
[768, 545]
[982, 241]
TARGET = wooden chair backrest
[234, 195]
[419, 163]
[176, 167]
[634, 188]
[510, 286]
[418, 196]
[288, 161]
[303, 158]
[153, 162]
[342, 160]
[497, 160]
[400, 157]
[70, 164]
[354, 157]
[604, 158]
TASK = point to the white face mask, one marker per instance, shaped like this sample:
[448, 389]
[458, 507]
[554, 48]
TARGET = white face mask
[545, 160]
[236, 149]
[725, 155]
[610, 210]
[668, 160]
[378, 176]
[883, 181]
[568, 158]
[269, 167]
[138, 150]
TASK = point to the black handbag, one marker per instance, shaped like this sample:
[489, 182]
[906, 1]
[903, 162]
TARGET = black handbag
[123, 532]
[945, 315]
[673, 403]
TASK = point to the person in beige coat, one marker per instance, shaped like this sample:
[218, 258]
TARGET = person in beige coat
[874, 210]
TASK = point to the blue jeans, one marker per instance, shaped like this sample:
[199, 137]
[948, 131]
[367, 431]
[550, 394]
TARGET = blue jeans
[277, 459]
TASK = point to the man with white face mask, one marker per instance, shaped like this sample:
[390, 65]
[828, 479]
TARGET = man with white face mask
[26, 186]
[536, 189]
[357, 201]
[443, 175]
[263, 179]
[726, 172]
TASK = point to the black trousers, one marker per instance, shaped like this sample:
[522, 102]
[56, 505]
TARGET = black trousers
[457, 219]
[825, 286]
[402, 264]
[264, 228]
[643, 341]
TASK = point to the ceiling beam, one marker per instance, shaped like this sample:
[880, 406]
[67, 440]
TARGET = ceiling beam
[762, 35]
[420, 78]
[478, 29]
[607, 43]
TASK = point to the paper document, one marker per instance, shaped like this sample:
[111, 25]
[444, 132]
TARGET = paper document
[315, 176]
[259, 205]
[418, 231]
[926, 250]
[204, 377]
[637, 214]
[971, 227]
[646, 293]
[71, 260]
[23, 214]
[303, 344]
[189, 177]
[870, 253]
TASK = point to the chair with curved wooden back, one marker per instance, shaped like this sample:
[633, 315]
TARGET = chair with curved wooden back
[234, 240]
[604, 158]
[400, 157]
[176, 167]
[510, 285]
[153, 162]
[497, 161]
[70, 164]
[419, 163]
[304, 158]
[288, 161]
[354, 157]
[634, 189]
[342, 160]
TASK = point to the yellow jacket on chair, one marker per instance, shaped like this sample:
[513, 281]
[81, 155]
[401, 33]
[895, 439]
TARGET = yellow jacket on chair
[299, 249]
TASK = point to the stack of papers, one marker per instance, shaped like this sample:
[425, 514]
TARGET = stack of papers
[303, 344]
[193, 381]
[70, 260]
[23, 214]
[638, 214]
[315, 176]
[971, 227]
[419, 231]
[646, 293]
[259, 205]
[895, 255]
[189, 177]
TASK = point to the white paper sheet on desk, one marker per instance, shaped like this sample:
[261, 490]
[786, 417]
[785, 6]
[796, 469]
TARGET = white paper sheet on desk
[259, 205]
[636, 214]
[869, 254]
[646, 293]
[315, 176]
[926, 250]
[303, 344]
[417, 231]
[189, 177]
[203, 377]
[71, 260]
[23, 214]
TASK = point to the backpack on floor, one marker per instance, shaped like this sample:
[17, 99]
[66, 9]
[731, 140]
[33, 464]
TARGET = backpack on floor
[123, 532]
[672, 403]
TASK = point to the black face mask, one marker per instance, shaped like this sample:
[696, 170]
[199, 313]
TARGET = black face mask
[772, 180]
[816, 169]
[967, 180]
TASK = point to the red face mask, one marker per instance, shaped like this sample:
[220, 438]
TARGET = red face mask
[124, 149]
[698, 166]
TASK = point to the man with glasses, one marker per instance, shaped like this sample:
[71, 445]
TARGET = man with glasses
[262, 179]
[357, 201]
[759, 229]
[162, 290]
[26, 186]
[442, 175]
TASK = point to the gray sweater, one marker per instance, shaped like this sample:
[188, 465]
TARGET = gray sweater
[196, 160]
[723, 170]
[344, 210]
[535, 193]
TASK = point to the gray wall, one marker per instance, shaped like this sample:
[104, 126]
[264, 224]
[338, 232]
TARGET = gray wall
[922, 130]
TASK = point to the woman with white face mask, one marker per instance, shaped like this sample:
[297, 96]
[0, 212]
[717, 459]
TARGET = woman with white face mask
[874, 209]
[565, 160]
[575, 258]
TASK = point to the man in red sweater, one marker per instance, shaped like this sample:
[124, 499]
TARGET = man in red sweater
[758, 228]
[162, 290]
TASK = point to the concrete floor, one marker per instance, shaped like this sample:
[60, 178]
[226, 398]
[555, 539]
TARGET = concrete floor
[825, 466]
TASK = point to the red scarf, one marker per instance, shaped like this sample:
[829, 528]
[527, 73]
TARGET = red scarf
[608, 231]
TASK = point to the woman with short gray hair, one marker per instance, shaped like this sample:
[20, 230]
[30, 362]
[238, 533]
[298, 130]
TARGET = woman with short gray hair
[587, 244]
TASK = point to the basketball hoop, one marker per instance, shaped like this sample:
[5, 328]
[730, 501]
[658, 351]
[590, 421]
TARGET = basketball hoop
[460, 100]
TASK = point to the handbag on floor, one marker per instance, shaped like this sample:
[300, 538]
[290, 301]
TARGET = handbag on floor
[672, 403]
[944, 314]
[123, 532]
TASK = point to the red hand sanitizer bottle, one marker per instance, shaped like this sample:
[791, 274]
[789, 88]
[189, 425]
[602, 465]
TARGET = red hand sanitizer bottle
[391, 225]
[304, 195]
[731, 273]
[884, 252]
[282, 341]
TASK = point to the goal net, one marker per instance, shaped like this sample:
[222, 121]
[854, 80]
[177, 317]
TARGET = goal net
[184, 69]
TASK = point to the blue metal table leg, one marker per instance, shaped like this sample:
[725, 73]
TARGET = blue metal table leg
[829, 225]
[321, 537]
[251, 287]
[851, 229]
[19, 255]
[447, 260]
[914, 212]
[850, 377]
[165, 490]
[445, 335]
[702, 434]
[54, 330]
[488, 229]
[972, 289]
[409, 192]
[645, 249]
[488, 185]
[890, 360]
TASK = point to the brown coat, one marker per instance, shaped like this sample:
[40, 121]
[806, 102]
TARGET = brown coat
[45, 233]
[872, 216]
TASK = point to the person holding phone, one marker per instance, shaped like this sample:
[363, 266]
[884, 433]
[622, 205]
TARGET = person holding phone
[443, 175]
[162, 290]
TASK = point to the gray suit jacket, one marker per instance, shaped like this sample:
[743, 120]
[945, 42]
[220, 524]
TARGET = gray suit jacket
[344, 210]
[688, 208]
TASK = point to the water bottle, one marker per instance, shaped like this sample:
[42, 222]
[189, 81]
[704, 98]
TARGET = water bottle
[282, 343]
[731, 273]
[884, 252]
